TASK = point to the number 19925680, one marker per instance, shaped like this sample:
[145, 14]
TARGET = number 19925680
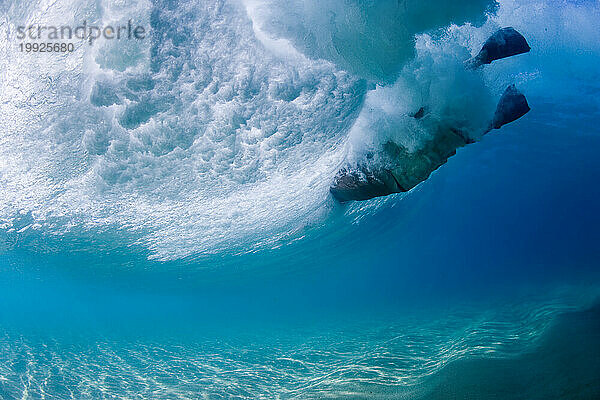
[46, 47]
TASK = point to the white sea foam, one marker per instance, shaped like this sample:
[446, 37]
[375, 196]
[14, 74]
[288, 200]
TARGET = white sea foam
[225, 127]
[215, 139]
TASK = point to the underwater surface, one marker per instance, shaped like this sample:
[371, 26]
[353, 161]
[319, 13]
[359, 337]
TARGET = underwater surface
[167, 229]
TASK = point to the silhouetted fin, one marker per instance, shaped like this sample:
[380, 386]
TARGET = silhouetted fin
[512, 106]
[504, 43]
[363, 184]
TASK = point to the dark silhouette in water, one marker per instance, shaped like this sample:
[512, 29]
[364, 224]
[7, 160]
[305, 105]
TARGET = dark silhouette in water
[512, 106]
[506, 42]
[408, 169]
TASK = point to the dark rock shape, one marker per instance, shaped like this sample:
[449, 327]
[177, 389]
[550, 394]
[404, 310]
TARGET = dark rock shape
[403, 169]
[363, 184]
[512, 106]
[504, 43]
[411, 168]
[407, 169]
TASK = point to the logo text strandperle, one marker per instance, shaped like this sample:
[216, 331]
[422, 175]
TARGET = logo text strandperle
[83, 32]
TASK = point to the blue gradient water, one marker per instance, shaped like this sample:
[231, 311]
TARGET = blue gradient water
[166, 229]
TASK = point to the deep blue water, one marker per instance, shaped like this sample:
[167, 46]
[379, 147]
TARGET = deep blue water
[166, 229]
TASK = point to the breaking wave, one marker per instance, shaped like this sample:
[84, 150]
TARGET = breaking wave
[165, 205]
[224, 129]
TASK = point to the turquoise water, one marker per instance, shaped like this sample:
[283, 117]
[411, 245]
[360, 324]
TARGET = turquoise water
[166, 227]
